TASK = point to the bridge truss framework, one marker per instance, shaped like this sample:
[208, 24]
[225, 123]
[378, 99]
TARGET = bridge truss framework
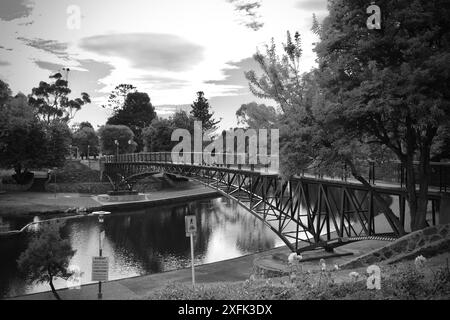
[306, 213]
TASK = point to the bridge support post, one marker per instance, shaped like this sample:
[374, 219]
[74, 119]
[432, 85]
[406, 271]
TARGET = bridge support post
[444, 209]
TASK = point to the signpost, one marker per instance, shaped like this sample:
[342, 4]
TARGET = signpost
[191, 229]
[100, 264]
[100, 268]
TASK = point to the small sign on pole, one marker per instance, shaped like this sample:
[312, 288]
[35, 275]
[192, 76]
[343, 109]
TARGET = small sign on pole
[191, 225]
[191, 229]
[100, 268]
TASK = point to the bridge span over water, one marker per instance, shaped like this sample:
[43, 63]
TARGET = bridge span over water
[307, 211]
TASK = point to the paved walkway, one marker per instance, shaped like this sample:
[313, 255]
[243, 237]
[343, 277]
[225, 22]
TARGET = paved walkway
[238, 269]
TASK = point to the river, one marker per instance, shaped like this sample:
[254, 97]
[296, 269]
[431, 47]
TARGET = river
[143, 242]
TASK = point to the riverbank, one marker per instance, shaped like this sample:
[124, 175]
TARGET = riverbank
[232, 279]
[230, 271]
[15, 204]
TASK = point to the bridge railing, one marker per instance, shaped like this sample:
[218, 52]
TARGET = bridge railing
[240, 160]
[387, 172]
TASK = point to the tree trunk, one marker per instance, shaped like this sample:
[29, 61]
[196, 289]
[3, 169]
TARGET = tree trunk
[422, 202]
[55, 293]
[411, 190]
[418, 199]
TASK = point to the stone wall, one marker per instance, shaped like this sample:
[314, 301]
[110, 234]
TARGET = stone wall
[427, 242]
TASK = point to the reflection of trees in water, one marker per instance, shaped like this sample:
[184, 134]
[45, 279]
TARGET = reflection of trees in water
[149, 236]
[251, 234]
[10, 250]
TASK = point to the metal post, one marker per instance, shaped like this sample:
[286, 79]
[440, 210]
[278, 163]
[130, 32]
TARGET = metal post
[55, 182]
[192, 258]
[100, 295]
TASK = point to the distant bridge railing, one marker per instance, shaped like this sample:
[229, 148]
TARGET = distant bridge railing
[388, 172]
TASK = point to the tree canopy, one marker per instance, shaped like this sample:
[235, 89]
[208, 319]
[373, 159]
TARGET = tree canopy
[25, 141]
[389, 87]
[86, 139]
[51, 100]
[47, 256]
[157, 136]
[257, 116]
[201, 111]
[110, 133]
[137, 113]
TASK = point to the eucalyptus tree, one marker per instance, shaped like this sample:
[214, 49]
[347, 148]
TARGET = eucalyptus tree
[51, 100]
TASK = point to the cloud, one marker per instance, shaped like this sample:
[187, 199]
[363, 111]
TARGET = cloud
[153, 51]
[4, 63]
[162, 83]
[48, 65]
[4, 48]
[80, 79]
[14, 9]
[312, 5]
[52, 46]
[234, 76]
[249, 11]
[168, 110]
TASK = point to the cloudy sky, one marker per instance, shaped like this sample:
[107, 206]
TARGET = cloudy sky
[168, 48]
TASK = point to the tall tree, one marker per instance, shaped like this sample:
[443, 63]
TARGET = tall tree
[390, 87]
[257, 116]
[51, 100]
[201, 111]
[87, 141]
[58, 141]
[137, 113]
[308, 141]
[157, 137]
[281, 78]
[110, 133]
[117, 97]
[23, 138]
[47, 256]
[181, 120]
[5, 92]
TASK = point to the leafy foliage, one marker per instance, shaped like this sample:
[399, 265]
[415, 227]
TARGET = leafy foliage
[398, 282]
[47, 256]
[86, 140]
[110, 133]
[257, 116]
[157, 137]
[26, 142]
[137, 113]
[117, 97]
[51, 100]
[201, 112]
[281, 78]
[389, 87]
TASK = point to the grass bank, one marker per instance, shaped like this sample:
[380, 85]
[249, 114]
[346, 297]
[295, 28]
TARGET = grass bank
[401, 281]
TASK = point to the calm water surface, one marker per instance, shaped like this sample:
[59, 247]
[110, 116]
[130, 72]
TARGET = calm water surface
[147, 241]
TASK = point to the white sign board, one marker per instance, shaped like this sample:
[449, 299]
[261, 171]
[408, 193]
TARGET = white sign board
[191, 225]
[100, 268]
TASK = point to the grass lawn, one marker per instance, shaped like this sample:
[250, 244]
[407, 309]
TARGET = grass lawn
[404, 281]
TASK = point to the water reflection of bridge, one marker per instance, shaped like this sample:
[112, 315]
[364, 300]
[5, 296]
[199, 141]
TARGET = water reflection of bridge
[306, 211]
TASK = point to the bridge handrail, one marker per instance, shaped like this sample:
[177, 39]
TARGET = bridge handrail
[390, 171]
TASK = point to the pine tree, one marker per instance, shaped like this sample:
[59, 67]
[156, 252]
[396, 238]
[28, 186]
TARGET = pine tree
[201, 112]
